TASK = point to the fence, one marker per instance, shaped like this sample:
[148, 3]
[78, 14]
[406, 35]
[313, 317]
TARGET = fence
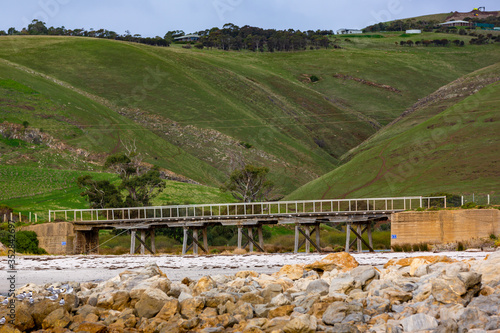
[248, 210]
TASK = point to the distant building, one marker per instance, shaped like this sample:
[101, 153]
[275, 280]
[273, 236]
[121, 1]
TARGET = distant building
[457, 24]
[349, 31]
[187, 38]
[496, 28]
[414, 31]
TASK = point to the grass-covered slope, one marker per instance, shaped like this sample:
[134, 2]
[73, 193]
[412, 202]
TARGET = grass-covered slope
[199, 113]
[448, 142]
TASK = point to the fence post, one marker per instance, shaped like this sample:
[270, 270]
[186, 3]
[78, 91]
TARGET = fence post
[462, 202]
[36, 218]
[445, 201]
[488, 199]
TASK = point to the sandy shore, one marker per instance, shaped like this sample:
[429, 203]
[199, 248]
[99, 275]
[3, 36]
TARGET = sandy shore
[50, 269]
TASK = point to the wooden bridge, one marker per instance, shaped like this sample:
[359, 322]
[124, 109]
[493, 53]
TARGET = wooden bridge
[358, 214]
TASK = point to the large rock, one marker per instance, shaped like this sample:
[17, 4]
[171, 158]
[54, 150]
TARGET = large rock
[293, 272]
[363, 275]
[280, 311]
[319, 286]
[57, 318]
[169, 309]
[272, 290]
[191, 307]
[420, 259]
[204, 284]
[245, 310]
[301, 324]
[91, 328]
[342, 285]
[151, 302]
[419, 322]
[42, 309]
[24, 320]
[488, 268]
[342, 261]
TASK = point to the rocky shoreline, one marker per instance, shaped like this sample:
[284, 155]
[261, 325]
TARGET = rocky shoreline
[333, 294]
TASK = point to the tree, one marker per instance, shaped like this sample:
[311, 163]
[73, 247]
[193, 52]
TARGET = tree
[100, 193]
[141, 183]
[249, 184]
[12, 31]
[37, 27]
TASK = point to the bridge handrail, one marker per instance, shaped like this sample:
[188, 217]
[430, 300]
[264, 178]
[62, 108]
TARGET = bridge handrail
[349, 205]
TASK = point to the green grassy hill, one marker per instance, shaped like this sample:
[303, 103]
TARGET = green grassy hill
[447, 142]
[198, 113]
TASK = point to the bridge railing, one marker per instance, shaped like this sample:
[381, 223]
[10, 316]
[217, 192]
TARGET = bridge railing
[247, 210]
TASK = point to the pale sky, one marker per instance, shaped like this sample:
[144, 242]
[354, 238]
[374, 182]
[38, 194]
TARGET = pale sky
[156, 17]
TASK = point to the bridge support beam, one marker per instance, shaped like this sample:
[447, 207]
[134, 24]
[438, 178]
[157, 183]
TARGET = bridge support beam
[87, 241]
[307, 230]
[249, 238]
[192, 233]
[142, 238]
[358, 233]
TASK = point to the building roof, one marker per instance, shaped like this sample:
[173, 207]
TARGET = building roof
[187, 36]
[451, 22]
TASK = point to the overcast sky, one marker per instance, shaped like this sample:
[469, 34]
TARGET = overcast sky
[156, 17]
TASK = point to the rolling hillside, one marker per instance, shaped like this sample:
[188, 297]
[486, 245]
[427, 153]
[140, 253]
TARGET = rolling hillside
[447, 142]
[199, 113]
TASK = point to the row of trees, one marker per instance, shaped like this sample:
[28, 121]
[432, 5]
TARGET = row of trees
[37, 27]
[230, 37]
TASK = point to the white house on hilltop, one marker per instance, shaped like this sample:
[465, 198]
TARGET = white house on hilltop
[349, 31]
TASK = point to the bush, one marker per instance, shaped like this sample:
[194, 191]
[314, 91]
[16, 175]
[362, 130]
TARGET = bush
[469, 205]
[26, 242]
[314, 78]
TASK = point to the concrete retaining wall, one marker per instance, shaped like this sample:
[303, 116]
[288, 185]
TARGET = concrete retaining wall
[55, 238]
[444, 226]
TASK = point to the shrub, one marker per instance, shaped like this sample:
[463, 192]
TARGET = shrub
[239, 251]
[460, 246]
[199, 46]
[314, 78]
[26, 242]
[469, 205]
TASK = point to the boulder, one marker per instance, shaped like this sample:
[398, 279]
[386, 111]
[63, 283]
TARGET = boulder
[245, 274]
[421, 260]
[280, 311]
[293, 272]
[342, 261]
[488, 268]
[91, 328]
[301, 324]
[191, 307]
[24, 320]
[448, 290]
[151, 302]
[245, 310]
[42, 309]
[319, 286]
[169, 309]
[363, 275]
[204, 284]
[280, 300]
[419, 322]
[57, 318]
[342, 285]
[252, 298]
[271, 291]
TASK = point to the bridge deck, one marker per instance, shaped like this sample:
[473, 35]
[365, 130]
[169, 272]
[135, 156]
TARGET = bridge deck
[339, 210]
